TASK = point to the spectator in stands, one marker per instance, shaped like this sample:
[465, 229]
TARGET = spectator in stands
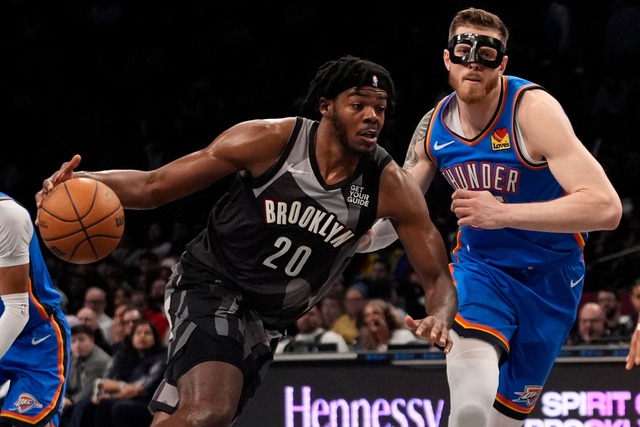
[332, 307]
[125, 390]
[311, 336]
[129, 314]
[152, 309]
[382, 327]
[121, 296]
[88, 362]
[95, 298]
[618, 324]
[591, 328]
[379, 281]
[356, 297]
[89, 317]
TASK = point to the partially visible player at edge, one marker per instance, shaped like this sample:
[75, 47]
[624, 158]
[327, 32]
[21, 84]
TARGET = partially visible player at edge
[34, 334]
[305, 193]
[526, 192]
[633, 358]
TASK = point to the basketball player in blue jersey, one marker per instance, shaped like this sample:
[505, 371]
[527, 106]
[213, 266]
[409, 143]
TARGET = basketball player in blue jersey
[305, 192]
[526, 192]
[34, 334]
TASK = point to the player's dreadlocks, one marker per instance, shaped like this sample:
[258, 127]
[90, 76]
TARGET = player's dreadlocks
[334, 77]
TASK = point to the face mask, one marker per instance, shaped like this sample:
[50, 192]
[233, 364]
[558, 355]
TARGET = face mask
[468, 48]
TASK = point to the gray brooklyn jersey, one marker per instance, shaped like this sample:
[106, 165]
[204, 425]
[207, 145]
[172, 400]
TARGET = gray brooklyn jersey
[283, 238]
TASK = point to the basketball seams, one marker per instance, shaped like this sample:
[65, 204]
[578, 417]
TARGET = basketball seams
[95, 231]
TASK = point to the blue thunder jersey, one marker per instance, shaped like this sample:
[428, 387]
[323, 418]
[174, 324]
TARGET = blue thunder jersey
[282, 239]
[496, 161]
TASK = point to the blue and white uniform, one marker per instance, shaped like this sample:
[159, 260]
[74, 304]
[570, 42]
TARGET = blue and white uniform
[37, 362]
[517, 289]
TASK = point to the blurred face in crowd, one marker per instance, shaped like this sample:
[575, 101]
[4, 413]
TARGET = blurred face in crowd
[310, 321]
[82, 345]
[128, 319]
[608, 302]
[354, 302]
[331, 309]
[142, 338]
[374, 316]
[380, 271]
[158, 287]
[95, 299]
[591, 322]
[88, 317]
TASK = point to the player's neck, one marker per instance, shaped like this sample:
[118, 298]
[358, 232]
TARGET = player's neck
[475, 116]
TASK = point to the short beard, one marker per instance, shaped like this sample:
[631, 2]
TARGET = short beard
[474, 94]
[340, 131]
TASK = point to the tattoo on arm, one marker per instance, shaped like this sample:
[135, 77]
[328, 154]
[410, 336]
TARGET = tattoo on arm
[418, 135]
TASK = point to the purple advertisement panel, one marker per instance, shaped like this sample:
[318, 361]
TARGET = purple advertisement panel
[581, 392]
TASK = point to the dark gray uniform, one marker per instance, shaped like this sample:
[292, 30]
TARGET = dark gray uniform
[272, 248]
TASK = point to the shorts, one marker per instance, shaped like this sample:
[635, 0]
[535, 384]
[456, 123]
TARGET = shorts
[37, 366]
[210, 323]
[527, 314]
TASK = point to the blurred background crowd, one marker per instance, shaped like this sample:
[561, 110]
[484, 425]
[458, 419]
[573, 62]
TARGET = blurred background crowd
[138, 84]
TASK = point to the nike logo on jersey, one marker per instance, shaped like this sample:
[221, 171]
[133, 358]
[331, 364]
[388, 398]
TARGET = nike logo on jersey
[437, 146]
[35, 341]
[572, 284]
[292, 170]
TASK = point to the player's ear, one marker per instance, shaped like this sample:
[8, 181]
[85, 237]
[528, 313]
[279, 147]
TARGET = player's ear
[446, 59]
[325, 106]
[503, 64]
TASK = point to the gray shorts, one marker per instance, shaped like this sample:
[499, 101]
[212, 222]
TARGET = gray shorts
[209, 322]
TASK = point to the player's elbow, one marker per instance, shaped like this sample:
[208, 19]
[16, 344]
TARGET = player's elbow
[611, 214]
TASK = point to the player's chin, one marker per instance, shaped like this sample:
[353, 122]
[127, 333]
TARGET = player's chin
[363, 148]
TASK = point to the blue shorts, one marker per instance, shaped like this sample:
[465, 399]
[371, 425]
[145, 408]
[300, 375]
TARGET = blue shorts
[526, 313]
[37, 366]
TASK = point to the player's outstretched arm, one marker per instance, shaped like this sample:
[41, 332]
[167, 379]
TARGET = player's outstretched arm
[633, 358]
[402, 201]
[252, 146]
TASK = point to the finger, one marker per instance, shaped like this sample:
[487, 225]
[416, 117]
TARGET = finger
[69, 166]
[411, 324]
[441, 337]
[460, 194]
[449, 345]
[424, 328]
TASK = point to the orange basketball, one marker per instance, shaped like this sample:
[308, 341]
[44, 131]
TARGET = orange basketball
[81, 221]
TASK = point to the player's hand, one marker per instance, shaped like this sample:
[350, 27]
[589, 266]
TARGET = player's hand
[633, 358]
[64, 173]
[477, 208]
[433, 329]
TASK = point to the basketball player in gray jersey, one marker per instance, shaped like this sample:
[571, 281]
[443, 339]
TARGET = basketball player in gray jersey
[304, 194]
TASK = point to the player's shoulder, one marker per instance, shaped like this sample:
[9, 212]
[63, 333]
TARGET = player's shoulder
[266, 127]
[12, 212]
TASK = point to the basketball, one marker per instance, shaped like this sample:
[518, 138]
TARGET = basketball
[81, 221]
